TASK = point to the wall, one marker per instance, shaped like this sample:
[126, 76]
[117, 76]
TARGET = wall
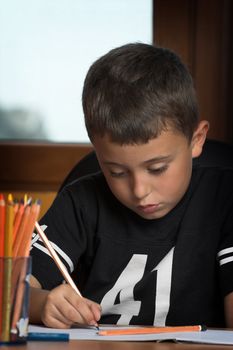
[201, 32]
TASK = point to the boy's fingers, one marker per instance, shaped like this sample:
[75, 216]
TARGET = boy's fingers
[56, 323]
[96, 309]
[54, 318]
[88, 311]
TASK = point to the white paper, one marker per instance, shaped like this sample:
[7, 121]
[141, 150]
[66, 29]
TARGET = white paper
[209, 336]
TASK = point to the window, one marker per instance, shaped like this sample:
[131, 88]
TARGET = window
[46, 48]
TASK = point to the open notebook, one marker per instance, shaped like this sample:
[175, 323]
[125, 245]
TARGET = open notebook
[209, 336]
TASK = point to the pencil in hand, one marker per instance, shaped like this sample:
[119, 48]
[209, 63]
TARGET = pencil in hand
[56, 258]
[58, 261]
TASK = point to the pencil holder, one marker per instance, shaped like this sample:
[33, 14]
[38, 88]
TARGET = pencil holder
[14, 299]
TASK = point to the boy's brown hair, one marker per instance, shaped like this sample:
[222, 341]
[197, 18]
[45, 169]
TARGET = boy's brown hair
[136, 91]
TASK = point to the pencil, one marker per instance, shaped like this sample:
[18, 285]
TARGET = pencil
[23, 252]
[8, 239]
[56, 259]
[20, 273]
[152, 330]
[36, 336]
[2, 223]
[2, 234]
[17, 220]
[58, 262]
[24, 246]
[21, 231]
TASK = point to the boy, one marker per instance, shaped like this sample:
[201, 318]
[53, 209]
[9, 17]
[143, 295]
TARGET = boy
[146, 238]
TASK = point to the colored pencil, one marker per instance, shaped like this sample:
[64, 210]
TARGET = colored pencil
[151, 330]
[56, 259]
[19, 293]
[2, 223]
[54, 337]
[24, 246]
[17, 220]
[2, 234]
[21, 231]
[7, 272]
[8, 239]
[23, 251]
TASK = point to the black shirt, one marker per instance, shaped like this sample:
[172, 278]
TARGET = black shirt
[170, 271]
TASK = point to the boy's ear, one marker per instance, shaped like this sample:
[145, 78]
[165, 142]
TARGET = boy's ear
[199, 137]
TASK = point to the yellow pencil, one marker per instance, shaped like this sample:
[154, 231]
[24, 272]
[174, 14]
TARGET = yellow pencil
[8, 241]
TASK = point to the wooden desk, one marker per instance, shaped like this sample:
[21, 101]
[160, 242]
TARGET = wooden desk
[107, 345]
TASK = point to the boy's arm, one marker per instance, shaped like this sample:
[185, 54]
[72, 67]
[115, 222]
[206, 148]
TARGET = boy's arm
[228, 305]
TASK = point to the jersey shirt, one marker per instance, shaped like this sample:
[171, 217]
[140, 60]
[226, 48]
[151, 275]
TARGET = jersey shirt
[174, 270]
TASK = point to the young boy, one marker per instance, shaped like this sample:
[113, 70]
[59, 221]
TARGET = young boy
[149, 239]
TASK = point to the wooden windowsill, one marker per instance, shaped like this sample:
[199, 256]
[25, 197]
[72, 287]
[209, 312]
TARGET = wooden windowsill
[37, 166]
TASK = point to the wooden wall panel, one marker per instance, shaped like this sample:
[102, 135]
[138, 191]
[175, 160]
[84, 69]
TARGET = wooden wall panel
[174, 27]
[38, 167]
[201, 32]
[212, 65]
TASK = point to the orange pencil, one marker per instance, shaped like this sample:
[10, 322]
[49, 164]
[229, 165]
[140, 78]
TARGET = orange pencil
[16, 207]
[17, 220]
[20, 271]
[152, 330]
[23, 252]
[24, 246]
[21, 231]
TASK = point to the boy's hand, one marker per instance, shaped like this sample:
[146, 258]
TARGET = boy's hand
[64, 307]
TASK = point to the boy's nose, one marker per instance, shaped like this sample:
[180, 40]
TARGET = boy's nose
[140, 188]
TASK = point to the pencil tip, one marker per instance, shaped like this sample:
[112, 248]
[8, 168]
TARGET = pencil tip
[10, 198]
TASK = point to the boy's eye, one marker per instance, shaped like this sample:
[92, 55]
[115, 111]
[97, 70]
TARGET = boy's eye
[117, 174]
[158, 171]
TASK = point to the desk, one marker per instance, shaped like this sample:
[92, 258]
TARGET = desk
[107, 345]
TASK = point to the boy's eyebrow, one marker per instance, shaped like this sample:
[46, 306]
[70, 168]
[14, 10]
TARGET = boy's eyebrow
[148, 161]
[158, 159]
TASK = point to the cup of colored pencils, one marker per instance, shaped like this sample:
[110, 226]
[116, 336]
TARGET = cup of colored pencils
[17, 221]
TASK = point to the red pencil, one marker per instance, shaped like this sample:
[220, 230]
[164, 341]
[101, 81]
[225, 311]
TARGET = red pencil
[2, 223]
[2, 234]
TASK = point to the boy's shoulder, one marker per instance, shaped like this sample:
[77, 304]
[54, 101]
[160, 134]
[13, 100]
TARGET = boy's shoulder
[215, 154]
[89, 181]
[88, 188]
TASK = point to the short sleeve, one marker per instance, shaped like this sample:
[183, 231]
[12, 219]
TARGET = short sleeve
[64, 226]
[225, 253]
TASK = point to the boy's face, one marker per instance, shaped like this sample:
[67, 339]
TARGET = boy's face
[150, 178]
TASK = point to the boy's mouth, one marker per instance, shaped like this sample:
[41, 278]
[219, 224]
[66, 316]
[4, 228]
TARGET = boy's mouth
[148, 209]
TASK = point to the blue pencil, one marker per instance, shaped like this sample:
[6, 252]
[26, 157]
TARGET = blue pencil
[37, 336]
